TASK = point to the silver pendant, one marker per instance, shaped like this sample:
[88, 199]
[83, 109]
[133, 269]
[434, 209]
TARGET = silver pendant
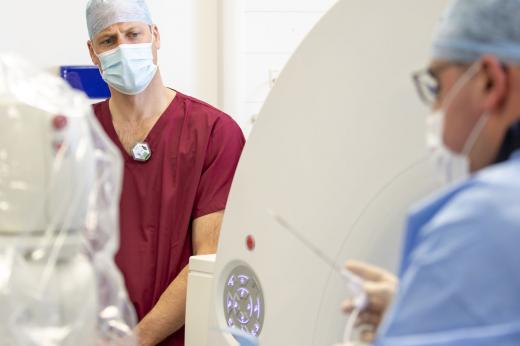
[141, 152]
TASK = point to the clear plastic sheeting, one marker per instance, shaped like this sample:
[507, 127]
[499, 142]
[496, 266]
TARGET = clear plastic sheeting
[60, 180]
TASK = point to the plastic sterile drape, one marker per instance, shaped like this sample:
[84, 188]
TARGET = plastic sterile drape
[60, 179]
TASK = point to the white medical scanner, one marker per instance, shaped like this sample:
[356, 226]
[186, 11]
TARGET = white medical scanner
[59, 192]
[339, 154]
[43, 203]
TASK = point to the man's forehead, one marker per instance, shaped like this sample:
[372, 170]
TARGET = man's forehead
[121, 27]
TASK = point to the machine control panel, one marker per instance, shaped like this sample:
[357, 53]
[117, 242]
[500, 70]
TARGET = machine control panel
[244, 301]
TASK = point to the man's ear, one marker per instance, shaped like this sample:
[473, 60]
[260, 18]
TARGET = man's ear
[93, 56]
[496, 83]
[156, 36]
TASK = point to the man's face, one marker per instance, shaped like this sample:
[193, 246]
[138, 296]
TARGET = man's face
[462, 104]
[123, 33]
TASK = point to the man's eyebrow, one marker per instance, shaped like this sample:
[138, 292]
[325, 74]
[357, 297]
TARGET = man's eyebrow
[132, 28]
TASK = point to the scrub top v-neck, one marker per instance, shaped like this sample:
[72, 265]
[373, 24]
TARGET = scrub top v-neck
[154, 132]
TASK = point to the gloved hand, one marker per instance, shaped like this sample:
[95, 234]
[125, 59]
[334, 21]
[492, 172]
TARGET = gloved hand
[380, 287]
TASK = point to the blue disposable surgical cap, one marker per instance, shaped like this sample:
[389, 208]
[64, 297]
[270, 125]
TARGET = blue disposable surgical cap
[472, 28]
[103, 13]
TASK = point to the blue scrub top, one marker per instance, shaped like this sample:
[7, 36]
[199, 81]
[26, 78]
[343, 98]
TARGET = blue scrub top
[460, 270]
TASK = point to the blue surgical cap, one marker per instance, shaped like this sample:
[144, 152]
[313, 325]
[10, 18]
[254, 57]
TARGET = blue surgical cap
[472, 28]
[103, 13]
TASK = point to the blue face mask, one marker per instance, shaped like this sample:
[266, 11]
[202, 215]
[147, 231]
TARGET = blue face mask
[128, 68]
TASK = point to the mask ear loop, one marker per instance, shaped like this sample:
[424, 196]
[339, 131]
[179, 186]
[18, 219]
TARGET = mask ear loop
[483, 120]
[475, 133]
[479, 126]
[470, 73]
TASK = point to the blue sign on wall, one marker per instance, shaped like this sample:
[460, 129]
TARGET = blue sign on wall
[87, 79]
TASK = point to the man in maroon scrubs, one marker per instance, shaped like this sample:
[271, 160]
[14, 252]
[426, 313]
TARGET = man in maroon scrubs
[180, 156]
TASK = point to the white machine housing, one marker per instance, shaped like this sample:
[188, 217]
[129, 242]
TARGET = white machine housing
[42, 179]
[199, 299]
[59, 193]
[339, 153]
[46, 174]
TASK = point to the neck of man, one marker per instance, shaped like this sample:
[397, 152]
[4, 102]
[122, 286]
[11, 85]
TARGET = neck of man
[150, 103]
[485, 151]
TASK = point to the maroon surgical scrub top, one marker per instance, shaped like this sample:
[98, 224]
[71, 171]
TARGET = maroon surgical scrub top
[195, 151]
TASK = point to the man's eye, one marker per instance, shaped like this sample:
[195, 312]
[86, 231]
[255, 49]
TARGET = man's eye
[106, 42]
[433, 89]
[134, 34]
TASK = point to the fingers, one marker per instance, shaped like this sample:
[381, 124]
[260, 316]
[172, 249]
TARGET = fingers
[367, 336]
[369, 318]
[367, 322]
[380, 287]
[377, 298]
[370, 273]
[347, 306]
[379, 295]
[366, 271]
[366, 317]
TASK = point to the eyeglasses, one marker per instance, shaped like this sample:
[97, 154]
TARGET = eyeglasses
[427, 83]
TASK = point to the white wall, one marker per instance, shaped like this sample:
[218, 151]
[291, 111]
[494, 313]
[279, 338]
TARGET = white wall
[223, 52]
[53, 33]
[273, 30]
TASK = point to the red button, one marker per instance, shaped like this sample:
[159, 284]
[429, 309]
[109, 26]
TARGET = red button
[59, 122]
[250, 242]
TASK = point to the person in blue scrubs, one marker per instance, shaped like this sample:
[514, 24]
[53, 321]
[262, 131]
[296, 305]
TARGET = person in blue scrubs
[459, 282]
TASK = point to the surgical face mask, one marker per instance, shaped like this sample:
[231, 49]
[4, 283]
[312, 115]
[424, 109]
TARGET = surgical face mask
[452, 167]
[129, 68]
